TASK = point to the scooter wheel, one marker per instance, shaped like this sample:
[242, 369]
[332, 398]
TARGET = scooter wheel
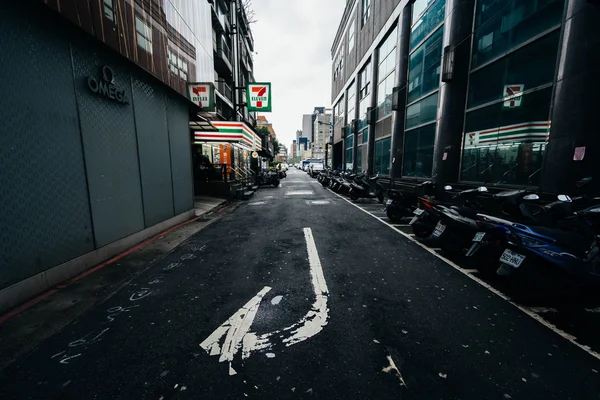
[353, 196]
[380, 198]
[394, 214]
[276, 183]
[421, 232]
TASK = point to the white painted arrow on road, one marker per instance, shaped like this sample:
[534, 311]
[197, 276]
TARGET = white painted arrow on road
[236, 334]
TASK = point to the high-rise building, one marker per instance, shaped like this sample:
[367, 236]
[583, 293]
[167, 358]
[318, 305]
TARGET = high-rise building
[493, 91]
[322, 132]
[308, 122]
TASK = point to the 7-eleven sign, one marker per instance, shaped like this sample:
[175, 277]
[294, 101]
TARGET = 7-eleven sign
[258, 97]
[203, 95]
[513, 95]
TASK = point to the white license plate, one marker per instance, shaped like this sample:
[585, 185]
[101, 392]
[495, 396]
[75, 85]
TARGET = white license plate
[418, 211]
[511, 258]
[389, 202]
[479, 236]
[439, 229]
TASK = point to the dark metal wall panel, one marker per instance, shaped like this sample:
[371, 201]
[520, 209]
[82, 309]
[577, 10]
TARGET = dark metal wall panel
[45, 218]
[110, 145]
[180, 145]
[153, 147]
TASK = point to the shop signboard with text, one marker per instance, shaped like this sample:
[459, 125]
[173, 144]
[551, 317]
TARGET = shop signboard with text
[202, 95]
[259, 97]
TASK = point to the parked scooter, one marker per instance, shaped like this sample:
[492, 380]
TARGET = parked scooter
[265, 178]
[401, 204]
[367, 188]
[571, 246]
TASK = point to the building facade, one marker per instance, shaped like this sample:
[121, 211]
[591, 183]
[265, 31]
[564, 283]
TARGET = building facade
[230, 138]
[95, 142]
[467, 91]
[322, 132]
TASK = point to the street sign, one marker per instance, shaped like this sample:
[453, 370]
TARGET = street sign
[254, 154]
[258, 97]
[513, 95]
[203, 95]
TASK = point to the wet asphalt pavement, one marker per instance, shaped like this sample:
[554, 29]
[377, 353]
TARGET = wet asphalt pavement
[385, 320]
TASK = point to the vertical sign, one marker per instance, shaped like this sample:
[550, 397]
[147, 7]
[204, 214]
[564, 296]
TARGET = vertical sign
[258, 97]
[513, 95]
[203, 95]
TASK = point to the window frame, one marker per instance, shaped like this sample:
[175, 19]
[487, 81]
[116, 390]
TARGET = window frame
[351, 35]
[366, 12]
[145, 34]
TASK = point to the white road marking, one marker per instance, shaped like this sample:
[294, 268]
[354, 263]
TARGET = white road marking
[233, 330]
[523, 309]
[312, 323]
[299, 192]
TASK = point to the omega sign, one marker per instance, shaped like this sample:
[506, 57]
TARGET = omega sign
[106, 86]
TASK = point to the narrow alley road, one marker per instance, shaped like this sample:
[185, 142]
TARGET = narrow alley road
[299, 294]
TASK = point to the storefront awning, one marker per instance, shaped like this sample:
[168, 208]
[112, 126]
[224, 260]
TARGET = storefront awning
[229, 132]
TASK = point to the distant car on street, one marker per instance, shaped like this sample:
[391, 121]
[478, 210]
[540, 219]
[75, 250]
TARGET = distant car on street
[314, 169]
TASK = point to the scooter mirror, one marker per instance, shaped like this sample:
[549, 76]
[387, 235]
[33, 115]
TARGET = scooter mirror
[482, 189]
[448, 188]
[531, 197]
[564, 198]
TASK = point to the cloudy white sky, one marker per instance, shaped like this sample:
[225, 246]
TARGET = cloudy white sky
[293, 39]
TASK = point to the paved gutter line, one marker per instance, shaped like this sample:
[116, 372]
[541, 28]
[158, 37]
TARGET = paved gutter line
[525, 310]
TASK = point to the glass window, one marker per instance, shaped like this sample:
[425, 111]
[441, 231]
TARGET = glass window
[424, 67]
[351, 95]
[366, 11]
[359, 159]
[428, 21]
[109, 9]
[531, 66]
[507, 144]
[144, 35]
[349, 141]
[338, 65]
[351, 35]
[418, 151]
[502, 25]
[364, 95]
[422, 112]
[338, 111]
[419, 7]
[386, 75]
[381, 161]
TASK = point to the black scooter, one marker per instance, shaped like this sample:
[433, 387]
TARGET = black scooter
[265, 178]
[402, 204]
[367, 188]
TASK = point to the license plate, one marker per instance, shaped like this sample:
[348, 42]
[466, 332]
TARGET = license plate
[439, 229]
[389, 202]
[511, 258]
[418, 211]
[479, 236]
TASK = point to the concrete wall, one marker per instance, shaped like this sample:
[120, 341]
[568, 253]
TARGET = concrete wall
[80, 171]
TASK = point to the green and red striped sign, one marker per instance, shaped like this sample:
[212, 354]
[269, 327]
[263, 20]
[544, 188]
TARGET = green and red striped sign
[537, 131]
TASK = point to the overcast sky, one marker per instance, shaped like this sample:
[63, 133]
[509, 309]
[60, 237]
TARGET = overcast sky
[293, 39]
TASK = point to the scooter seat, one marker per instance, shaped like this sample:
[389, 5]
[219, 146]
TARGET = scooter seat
[465, 211]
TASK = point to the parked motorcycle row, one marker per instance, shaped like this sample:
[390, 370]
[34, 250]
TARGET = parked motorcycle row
[355, 186]
[511, 233]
